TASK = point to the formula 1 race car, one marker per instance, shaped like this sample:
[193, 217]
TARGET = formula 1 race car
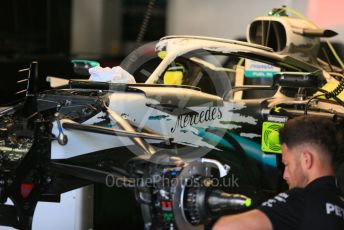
[197, 140]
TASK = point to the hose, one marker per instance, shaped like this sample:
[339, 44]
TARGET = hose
[145, 21]
[334, 93]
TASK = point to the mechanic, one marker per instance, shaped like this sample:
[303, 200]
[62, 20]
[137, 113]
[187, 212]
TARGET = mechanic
[314, 201]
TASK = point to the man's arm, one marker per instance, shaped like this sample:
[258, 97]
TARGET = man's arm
[252, 220]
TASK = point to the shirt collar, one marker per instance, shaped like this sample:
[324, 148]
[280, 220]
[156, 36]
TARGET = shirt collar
[325, 180]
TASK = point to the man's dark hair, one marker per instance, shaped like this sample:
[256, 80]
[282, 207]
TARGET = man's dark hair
[312, 130]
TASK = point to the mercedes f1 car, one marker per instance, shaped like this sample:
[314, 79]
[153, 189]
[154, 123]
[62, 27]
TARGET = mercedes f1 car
[192, 150]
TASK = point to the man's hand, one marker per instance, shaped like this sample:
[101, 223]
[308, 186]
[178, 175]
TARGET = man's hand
[254, 219]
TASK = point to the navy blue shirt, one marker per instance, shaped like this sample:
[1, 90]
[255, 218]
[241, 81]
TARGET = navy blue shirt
[319, 205]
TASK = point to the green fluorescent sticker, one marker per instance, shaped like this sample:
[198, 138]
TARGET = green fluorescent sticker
[248, 202]
[270, 137]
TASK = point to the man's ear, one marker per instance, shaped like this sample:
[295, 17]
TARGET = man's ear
[307, 159]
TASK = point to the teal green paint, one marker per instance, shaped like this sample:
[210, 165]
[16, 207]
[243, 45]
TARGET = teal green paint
[252, 149]
[264, 74]
[91, 63]
[214, 139]
[159, 117]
